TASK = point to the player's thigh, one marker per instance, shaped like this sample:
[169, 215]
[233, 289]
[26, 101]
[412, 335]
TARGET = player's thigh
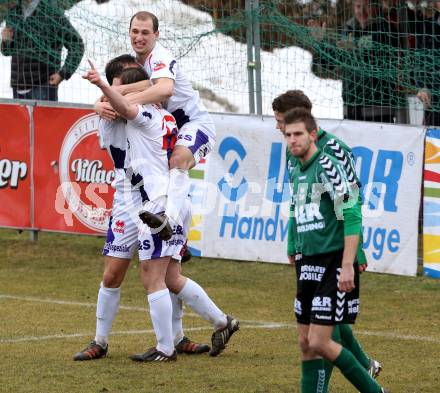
[122, 234]
[306, 286]
[331, 306]
[198, 137]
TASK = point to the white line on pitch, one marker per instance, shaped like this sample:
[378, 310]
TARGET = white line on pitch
[127, 308]
[253, 324]
[127, 333]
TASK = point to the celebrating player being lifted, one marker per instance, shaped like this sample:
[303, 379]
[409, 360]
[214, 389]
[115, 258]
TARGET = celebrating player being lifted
[150, 131]
[326, 227]
[122, 235]
[196, 130]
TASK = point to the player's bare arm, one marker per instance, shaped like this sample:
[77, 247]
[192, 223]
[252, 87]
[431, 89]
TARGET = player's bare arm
[161, 90]
[119, 103]
[133, 87]
[346, 278]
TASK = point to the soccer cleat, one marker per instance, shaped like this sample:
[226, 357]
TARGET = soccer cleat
[221, 337]
[159, 223]
[92, 351]
[383, 390]
[153, 355]
[374, 369]
[190, 347]
[186, 255]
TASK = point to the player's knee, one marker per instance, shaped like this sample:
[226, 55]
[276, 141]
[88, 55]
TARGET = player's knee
[174, 282]
[316, 345]
[111, 279]
[303, 342]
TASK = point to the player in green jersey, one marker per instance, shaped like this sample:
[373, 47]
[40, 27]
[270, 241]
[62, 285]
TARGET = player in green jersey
[326, 230]
[332, 145]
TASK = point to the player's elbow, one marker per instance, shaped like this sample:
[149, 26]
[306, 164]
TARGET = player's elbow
[166, 88]
[168, 91]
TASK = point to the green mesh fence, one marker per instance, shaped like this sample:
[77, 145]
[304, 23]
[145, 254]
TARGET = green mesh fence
[355, 54]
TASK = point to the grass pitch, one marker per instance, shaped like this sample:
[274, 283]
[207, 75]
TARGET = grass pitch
[48, 292]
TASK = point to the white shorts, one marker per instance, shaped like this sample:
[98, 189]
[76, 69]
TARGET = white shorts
[126, 232]
[198, 136]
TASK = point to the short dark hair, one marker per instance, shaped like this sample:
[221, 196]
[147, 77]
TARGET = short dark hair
[114, 68]
[291, 99]
[301, 115]
[133, 75]
[145, 15]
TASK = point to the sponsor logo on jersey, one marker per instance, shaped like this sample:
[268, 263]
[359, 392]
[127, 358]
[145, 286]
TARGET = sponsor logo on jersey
[158, 66]
[86, 172]
[119, 226]
[308, 217]
[311, 273]
[322, 303]
[115, 248]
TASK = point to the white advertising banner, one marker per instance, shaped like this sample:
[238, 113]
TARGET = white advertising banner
[246, 191]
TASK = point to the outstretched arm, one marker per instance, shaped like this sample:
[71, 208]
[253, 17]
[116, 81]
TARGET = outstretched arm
[119, 103]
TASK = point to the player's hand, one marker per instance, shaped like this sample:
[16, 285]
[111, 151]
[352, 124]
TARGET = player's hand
[93, 75]
[7, 34]
[346, 278]
[291, 259]
[424, 95]
[105, 110]
[55, 79]
[362, 267]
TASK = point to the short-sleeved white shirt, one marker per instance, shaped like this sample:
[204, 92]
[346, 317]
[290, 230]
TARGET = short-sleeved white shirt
[185, 104]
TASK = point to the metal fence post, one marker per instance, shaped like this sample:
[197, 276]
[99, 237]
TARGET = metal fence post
[33, 233]
[257, 48]
[250, 55]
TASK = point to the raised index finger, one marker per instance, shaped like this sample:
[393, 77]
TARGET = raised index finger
[91, 65]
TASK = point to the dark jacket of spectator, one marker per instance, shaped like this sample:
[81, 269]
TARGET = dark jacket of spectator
[37, 45]
[367, 61]
[427, 65]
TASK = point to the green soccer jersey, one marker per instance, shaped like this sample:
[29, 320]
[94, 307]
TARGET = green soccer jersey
[333, 146]
[325, 206]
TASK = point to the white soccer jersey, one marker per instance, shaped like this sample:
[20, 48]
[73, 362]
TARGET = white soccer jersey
[185, 104]
[151, 136]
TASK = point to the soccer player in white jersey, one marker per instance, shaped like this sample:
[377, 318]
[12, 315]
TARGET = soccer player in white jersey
[122, 237]
[196, 135]
[147, 152]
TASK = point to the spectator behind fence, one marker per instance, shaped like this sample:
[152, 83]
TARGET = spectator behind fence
[365, 55]
[427, 68]
[34, 36]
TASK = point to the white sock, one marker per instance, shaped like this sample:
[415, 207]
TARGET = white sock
[177, 318]
[161, 312]
[178, 190]
[107, 307]
[195, 296]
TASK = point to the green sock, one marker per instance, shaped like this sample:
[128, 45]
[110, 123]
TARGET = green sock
[349, 341]
[328, 367]
[355, 373]
[313, 376]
